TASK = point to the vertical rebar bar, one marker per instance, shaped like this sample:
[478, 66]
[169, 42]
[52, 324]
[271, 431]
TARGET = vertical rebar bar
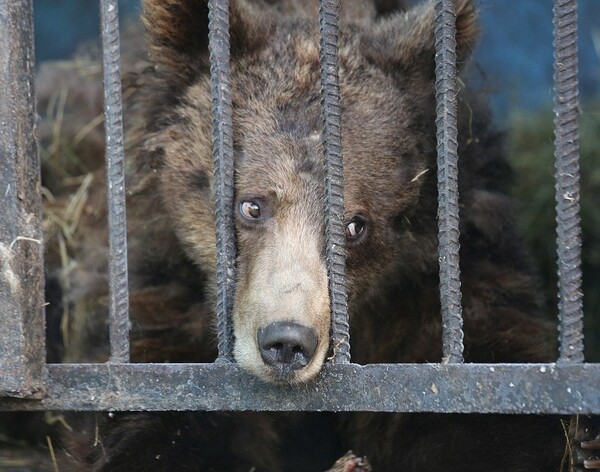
[335, 239]
[566, 121]
[223, 171]
[115, 178]
[447, 163]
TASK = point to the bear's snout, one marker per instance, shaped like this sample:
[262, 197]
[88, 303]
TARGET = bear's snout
[281, 313]
[286, 346]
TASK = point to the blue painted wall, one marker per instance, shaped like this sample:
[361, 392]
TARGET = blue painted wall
[60, 25]
[514, 53]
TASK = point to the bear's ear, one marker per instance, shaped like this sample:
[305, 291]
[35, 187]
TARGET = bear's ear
[178, 33]
[405, 43]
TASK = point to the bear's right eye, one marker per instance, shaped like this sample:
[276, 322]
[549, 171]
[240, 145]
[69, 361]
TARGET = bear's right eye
[355, 229]
[250, 210]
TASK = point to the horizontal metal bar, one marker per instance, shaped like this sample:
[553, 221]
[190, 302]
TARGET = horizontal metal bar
[444, 388]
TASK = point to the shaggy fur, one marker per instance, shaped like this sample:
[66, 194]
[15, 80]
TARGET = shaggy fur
[388, 131]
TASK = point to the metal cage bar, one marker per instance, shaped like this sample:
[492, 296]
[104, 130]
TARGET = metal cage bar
[22, 352]
[115, 178]
[454, 387]
[223, 170]
[447, 164]
[335, 238]
[566, 153]
[449, 388]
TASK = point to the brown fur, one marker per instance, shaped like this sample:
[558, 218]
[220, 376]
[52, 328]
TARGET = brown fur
[386, 80]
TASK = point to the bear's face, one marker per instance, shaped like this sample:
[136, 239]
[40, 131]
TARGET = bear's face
[281, 310]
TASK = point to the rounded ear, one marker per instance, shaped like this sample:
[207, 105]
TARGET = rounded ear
[178, 33]
[405, 43]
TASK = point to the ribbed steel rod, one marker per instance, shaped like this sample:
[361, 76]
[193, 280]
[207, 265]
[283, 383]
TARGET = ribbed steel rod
[447, 163]
[335, 238]
[115, 177]
[566, 142]
[223, 172]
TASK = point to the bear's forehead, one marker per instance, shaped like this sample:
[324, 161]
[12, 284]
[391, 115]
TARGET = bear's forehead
[278, 90]
[277, 118]
[271, 110]
[287, 69]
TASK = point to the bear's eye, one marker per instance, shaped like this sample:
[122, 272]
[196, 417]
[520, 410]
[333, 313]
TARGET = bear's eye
[355, 229]
[250, 210]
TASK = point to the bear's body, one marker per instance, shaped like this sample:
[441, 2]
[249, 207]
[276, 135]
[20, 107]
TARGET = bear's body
[389, 147]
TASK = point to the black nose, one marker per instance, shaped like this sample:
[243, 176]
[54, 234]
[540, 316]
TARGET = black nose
[287, 345]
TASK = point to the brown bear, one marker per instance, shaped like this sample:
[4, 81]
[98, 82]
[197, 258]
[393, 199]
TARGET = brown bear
[389, 147]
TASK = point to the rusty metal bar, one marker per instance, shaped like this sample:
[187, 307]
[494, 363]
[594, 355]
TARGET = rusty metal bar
[335, 239]
[22, 352]
[223, 170]
[447, 163]
[443, 388]
[115, 177]
[566, 142]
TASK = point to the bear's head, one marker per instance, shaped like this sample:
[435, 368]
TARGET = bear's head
[281, 310]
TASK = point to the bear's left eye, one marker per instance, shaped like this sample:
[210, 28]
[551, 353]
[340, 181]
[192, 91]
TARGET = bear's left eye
[250, 210]
[355, 229]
